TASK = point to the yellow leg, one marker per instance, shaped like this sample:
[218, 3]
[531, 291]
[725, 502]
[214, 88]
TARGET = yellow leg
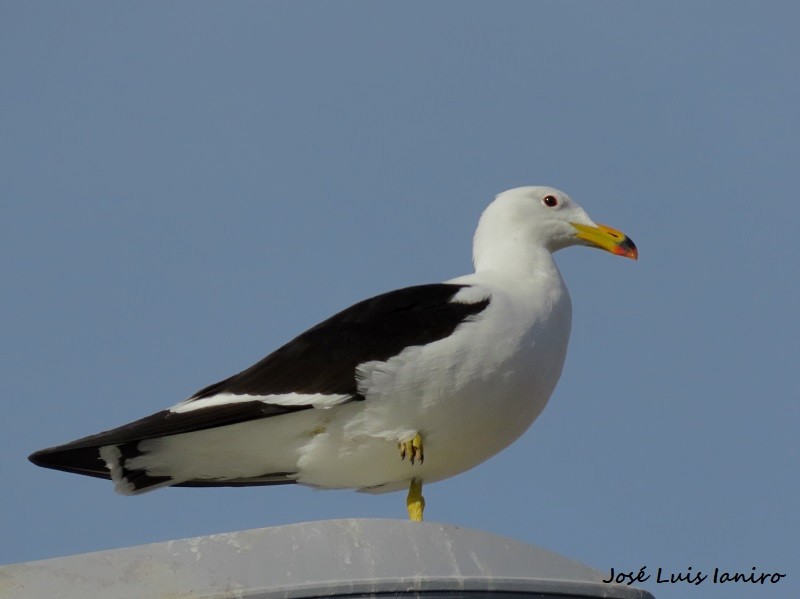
[415, 502]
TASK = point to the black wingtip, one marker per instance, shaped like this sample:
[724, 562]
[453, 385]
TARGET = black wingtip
[82, 460]
[46, 458]
[36, 458]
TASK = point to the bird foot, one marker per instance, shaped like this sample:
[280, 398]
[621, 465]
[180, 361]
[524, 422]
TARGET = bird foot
[413, 449]
[415, 502]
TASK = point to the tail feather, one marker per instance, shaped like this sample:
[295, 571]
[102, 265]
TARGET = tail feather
[259, 451]
[113, 462]
[130, 481]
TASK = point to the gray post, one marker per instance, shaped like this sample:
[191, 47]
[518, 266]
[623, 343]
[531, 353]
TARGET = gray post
[356, 558]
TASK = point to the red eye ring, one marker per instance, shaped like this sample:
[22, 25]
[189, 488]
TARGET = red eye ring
[550, 201]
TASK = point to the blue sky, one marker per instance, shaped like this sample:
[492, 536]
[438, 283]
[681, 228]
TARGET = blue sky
[186, 186]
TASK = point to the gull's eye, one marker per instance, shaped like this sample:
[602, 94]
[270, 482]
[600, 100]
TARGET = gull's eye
[550, 201]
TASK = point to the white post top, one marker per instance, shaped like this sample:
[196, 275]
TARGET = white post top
[333, 557]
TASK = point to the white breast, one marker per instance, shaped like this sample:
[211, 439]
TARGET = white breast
[469, 395]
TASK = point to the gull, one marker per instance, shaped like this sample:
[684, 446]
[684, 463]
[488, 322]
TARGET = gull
[405, 388]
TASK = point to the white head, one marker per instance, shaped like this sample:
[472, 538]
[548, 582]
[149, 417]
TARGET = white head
[526, 221]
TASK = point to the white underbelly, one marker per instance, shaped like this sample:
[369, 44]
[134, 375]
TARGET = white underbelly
[484, 397]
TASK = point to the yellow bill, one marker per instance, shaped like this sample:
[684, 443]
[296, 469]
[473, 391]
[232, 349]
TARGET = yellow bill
[607, 239]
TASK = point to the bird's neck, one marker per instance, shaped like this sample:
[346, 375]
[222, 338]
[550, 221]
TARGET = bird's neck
[520, 261]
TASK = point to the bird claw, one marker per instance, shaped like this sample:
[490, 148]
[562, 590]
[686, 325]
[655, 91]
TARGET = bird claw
[413, 449]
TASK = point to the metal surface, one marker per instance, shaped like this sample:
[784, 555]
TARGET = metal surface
[334, 557]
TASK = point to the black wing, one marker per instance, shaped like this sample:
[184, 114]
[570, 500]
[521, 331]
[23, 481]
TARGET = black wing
[323, 360]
